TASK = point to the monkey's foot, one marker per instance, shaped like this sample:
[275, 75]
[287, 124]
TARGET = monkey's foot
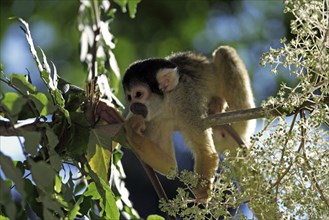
[203, 191]
[217, 105]
[201, 194]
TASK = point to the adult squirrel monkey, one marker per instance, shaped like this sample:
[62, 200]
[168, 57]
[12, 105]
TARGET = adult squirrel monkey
[176, 94]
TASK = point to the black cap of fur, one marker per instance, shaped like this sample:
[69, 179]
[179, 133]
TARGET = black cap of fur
[145, 72]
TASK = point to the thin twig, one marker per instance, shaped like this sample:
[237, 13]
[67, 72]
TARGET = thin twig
[156, 183]
[311, 174]
[286, 170]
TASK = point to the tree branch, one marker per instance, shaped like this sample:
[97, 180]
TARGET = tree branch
[253, 113]
[155, 183]
[211, 121]
[6, 128]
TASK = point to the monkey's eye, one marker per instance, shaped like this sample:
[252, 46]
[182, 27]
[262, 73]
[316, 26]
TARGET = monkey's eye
[129, 97]
[139, 94]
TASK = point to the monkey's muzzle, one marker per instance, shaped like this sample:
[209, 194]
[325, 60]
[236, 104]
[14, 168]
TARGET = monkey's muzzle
[139, 109]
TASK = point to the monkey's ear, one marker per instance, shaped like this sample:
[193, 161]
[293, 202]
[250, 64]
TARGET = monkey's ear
[167, 78]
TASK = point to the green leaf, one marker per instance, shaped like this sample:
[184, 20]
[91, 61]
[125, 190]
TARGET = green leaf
[79, 186]
[51, 137]
[100, 190]
[155, 217]
[73, 95]
[92, 191]
[117, 155]
[46, 77]
[13, 173]
[75, 209]
[51, 206]
[131, 211]
[99, 158]
[58, 184]
[2, 217]
[68, 189]
[19, 165]
[74, 100]
[109, 206]
[32, 141]
[112, 12]
[55, 160]
[13, 104]
[122, 4]
[100, 162]
[94, 216]
[104, 134]
[48, 215]
[66, 114]
[85, 205]
[132, 7]
[43, 175]
[7, 199]
[120, 137]
[32, 195]
[26, 112]
[42, 103]
[79, 134]
[58, 97]
[22, 84]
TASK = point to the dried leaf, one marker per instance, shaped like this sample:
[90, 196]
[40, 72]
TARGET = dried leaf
[29, 39]
[114, 65]
[107, 36]
[108, 113]
[55, 75]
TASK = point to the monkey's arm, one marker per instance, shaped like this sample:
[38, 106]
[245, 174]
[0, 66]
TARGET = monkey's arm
[154, 154]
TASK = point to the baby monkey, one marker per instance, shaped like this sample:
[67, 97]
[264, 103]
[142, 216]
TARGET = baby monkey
[176, 94]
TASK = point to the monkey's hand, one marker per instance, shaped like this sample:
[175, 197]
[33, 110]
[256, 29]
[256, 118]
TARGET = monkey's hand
[135, 125]
[146, 149]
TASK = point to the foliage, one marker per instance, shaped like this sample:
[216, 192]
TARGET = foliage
[299, 160]
[70, 156]
[285, 172]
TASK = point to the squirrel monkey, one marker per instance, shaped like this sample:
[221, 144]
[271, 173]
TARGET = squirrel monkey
[176, 94]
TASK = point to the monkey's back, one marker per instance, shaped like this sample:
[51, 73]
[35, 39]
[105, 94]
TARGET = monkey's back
[196, 69]
[197, 77]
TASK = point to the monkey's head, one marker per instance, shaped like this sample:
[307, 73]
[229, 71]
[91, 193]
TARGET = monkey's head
[145, 84]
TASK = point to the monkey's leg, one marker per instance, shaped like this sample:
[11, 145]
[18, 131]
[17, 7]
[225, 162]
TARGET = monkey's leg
[206, 161]
[220, 136]
[216, 105]
[153, 154]
[235, 88]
